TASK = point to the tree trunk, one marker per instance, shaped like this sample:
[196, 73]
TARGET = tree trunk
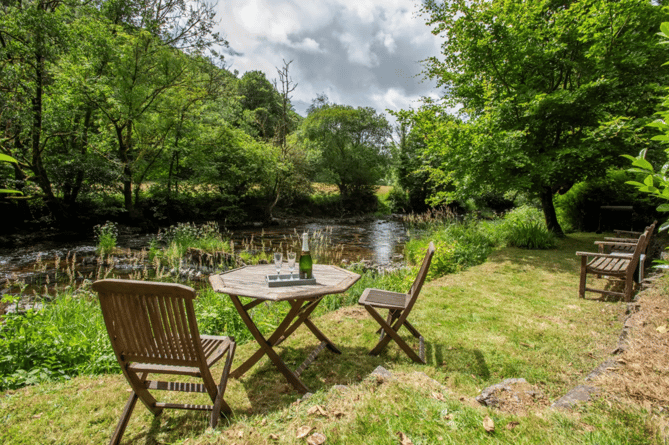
[79, 180]
[547, 206]
[127, 171]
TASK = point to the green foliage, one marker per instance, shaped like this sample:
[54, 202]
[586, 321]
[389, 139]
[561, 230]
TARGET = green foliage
[524, 227]
[5, 158]
[65, 338]
[550, 92]
[347, 146]
[459, 245]
[579, 208]
[178, 239]
[398, 200]
[106, 235]
[652, 182]
[531, 235]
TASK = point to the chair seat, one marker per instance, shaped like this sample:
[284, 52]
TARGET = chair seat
[383, 299]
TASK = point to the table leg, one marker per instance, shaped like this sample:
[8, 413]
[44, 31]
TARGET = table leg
[297, 315]
[306, 311]
[266, 345]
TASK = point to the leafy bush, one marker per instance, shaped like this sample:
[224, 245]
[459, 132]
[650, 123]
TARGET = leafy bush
[398, 200]
[579, 208]
[524, 227]
[106, 235]
[65, 338]
[531, 235]
[458, 245]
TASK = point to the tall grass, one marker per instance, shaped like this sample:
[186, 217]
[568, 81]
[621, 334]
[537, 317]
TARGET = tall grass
[64, 338]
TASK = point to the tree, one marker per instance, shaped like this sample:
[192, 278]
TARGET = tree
[261, 104]
[551, 92]
[655, 183]
[351, 144]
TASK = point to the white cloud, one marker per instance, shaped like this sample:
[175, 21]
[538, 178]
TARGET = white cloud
[308, 45]
[358, 50]
[395, 99]
[387, 40]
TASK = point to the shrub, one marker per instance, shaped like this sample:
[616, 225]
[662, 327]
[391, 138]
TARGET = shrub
[531, 235]
[177, 239]
[398, 200]
[525, 227]
[458, 245]
[579, 208]
[106, 235]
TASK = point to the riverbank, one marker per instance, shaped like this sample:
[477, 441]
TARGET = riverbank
[515, 316]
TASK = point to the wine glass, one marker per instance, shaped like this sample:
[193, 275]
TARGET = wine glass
[291, 263]
[278, 257]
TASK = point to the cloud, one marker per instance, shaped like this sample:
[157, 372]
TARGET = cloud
[358, 50]
[360, 53]
[308, 45]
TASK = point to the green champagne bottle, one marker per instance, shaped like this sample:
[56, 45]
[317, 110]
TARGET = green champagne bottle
[305, 259]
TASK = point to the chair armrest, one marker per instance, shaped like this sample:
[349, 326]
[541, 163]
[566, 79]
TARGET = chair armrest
[621, 240]
[600, 255]
[614, 243]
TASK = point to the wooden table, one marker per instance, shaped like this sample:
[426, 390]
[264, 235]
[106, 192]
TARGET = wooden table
[249, 281]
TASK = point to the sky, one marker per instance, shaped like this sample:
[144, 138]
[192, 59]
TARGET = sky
[357, 52]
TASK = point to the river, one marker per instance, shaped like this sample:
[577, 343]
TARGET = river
[379, 241]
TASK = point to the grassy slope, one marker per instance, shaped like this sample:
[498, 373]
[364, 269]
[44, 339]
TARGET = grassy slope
[517, 315]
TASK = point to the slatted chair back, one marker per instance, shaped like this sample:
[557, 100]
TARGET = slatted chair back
[151, 322]
[639, 250]
[417, 284]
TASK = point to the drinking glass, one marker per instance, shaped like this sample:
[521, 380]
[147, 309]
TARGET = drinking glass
[278, 257]
[291, 262]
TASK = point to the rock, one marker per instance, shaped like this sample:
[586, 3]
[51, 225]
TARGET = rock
[489, 396]
[382, 372]
[579, 394]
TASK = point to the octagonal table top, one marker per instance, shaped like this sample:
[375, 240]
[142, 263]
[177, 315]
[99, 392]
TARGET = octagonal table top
[250, 281]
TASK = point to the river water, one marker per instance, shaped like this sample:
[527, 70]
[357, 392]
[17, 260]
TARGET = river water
[379, 241]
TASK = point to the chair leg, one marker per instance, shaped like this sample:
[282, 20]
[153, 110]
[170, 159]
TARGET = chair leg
[123, 421]
[220, 403]
[392, 316]
[391, 332]
[412, 329]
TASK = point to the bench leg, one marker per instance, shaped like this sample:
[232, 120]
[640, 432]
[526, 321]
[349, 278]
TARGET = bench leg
[581, 286]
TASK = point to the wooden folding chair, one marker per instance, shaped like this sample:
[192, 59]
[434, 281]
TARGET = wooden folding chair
[152, 329]
[612, 266]
[399, 306]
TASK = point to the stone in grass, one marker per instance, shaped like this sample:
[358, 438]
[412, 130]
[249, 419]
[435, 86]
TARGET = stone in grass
[489, 396]
[382, 372]
[580, 394]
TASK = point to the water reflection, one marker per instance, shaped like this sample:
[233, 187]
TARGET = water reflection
[379, 241]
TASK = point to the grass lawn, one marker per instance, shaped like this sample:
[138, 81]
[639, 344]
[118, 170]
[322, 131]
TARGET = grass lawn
[516, 315]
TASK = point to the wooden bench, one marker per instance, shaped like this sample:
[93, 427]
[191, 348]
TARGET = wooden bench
[612, 266]
[625, 246]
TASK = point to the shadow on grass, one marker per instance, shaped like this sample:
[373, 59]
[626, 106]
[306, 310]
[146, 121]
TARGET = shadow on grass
[463, 360]
[268, 390]
[171, 424]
